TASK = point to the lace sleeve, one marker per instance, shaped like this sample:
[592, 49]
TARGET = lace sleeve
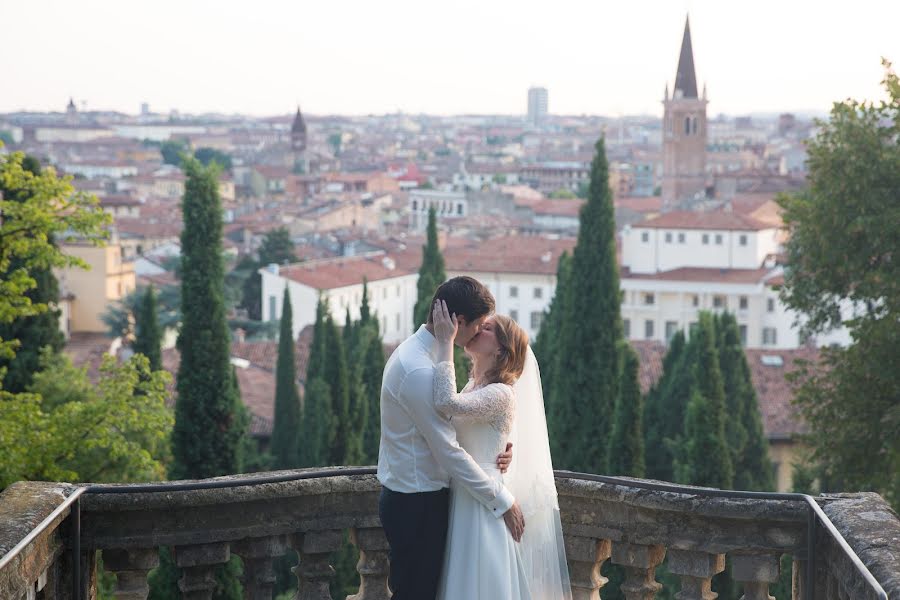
[489, 404]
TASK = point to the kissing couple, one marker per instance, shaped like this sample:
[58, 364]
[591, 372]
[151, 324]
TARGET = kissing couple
[465, 521]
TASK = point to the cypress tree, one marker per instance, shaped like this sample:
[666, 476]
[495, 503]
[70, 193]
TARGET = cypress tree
[373, 369]
[318, 424]
[148, 335]
[665, 408]
[626, 444]
[431, 273]
[36, 332]
[743, 425]
[588, 352]
[703, 457]
[546, 349]
[207, 433]
[337, 375]
[285, 431]
[365, 313]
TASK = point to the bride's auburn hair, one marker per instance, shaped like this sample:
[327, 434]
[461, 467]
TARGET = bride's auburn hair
[510, 362]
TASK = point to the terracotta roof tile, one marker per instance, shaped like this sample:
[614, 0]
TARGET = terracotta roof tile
[510, 254]
[720, 220]
[335, 273]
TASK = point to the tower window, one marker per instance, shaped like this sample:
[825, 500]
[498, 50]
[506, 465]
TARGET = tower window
[687, 126]
[694, 125]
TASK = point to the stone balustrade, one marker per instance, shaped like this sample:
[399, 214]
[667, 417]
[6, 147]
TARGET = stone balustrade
[622, 523]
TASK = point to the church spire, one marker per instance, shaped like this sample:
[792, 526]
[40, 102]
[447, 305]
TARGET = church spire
[686, 77]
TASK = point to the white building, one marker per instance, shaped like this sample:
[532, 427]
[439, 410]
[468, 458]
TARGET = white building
[538, 104]
[681, 263]
[520, 271]
[392, 292]
[452, 205]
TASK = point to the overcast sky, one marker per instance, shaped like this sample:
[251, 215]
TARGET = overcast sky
[262, 57]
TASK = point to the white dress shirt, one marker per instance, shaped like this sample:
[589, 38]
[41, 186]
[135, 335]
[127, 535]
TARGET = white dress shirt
[419, 451]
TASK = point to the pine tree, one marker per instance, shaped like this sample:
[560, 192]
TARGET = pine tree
[546, 348]
[38, 331]
[588, 352]
[207, 433]
[148, 335]
[431, 273]
[626, 444]
[285, 431]
[703, 457]
[743, 426]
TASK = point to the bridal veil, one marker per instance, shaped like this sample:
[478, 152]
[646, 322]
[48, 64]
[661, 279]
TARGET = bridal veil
[530, 479]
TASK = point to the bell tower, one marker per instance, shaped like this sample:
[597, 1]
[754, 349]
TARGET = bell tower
[684, 133]
[298, 143]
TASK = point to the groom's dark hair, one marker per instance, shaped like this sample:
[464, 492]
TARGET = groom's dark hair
[465, 296]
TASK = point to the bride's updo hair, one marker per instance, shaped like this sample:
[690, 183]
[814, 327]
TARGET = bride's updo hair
[513, 342]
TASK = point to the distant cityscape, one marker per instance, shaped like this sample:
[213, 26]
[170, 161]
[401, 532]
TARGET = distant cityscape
[694, 197]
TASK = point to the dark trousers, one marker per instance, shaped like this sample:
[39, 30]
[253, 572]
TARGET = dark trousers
[416, 530]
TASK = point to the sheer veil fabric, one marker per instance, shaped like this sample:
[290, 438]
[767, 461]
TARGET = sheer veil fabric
[530, 479]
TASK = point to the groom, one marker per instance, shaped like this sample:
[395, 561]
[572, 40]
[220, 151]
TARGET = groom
[419, 453]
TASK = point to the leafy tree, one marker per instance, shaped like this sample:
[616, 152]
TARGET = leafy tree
[209, 155]
[121, 317]
[35, 332]
[278, 248]
[148, 334]
[431, 273]
[626, 444]
[286, 428]
[173, 151]
[588, 351]
[563, 194]
[6, 138]
[68, 429]
[37, 208]
[207, 434]
[852, 401]
[702, 456]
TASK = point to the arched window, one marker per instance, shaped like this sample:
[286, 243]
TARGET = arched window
[687, 126]
[694, 125]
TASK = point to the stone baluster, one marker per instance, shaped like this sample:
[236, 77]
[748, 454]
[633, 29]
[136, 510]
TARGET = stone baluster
[373, 566]
[258, 555]
[314, 573]
[756, 572]
[585, 556]
[199, 562]
[696, 570]
[131, 566]
[640, 564]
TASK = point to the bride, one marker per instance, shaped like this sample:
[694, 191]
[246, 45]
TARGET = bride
[502, 402]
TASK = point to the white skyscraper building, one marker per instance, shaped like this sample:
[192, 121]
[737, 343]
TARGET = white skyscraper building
[537, 105]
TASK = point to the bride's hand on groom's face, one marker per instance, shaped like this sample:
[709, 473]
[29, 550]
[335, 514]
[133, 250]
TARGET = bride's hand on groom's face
[445, 324]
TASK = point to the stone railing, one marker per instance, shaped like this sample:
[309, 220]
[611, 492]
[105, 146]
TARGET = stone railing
[633, 523]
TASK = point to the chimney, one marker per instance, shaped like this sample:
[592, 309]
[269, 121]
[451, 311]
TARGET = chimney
[389, 263]
[240, 335]
[546, 256]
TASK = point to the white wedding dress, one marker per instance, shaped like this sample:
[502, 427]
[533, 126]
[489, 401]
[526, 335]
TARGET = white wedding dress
[482, 561]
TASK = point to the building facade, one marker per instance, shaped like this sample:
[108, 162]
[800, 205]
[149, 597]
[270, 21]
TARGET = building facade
[684, 133]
